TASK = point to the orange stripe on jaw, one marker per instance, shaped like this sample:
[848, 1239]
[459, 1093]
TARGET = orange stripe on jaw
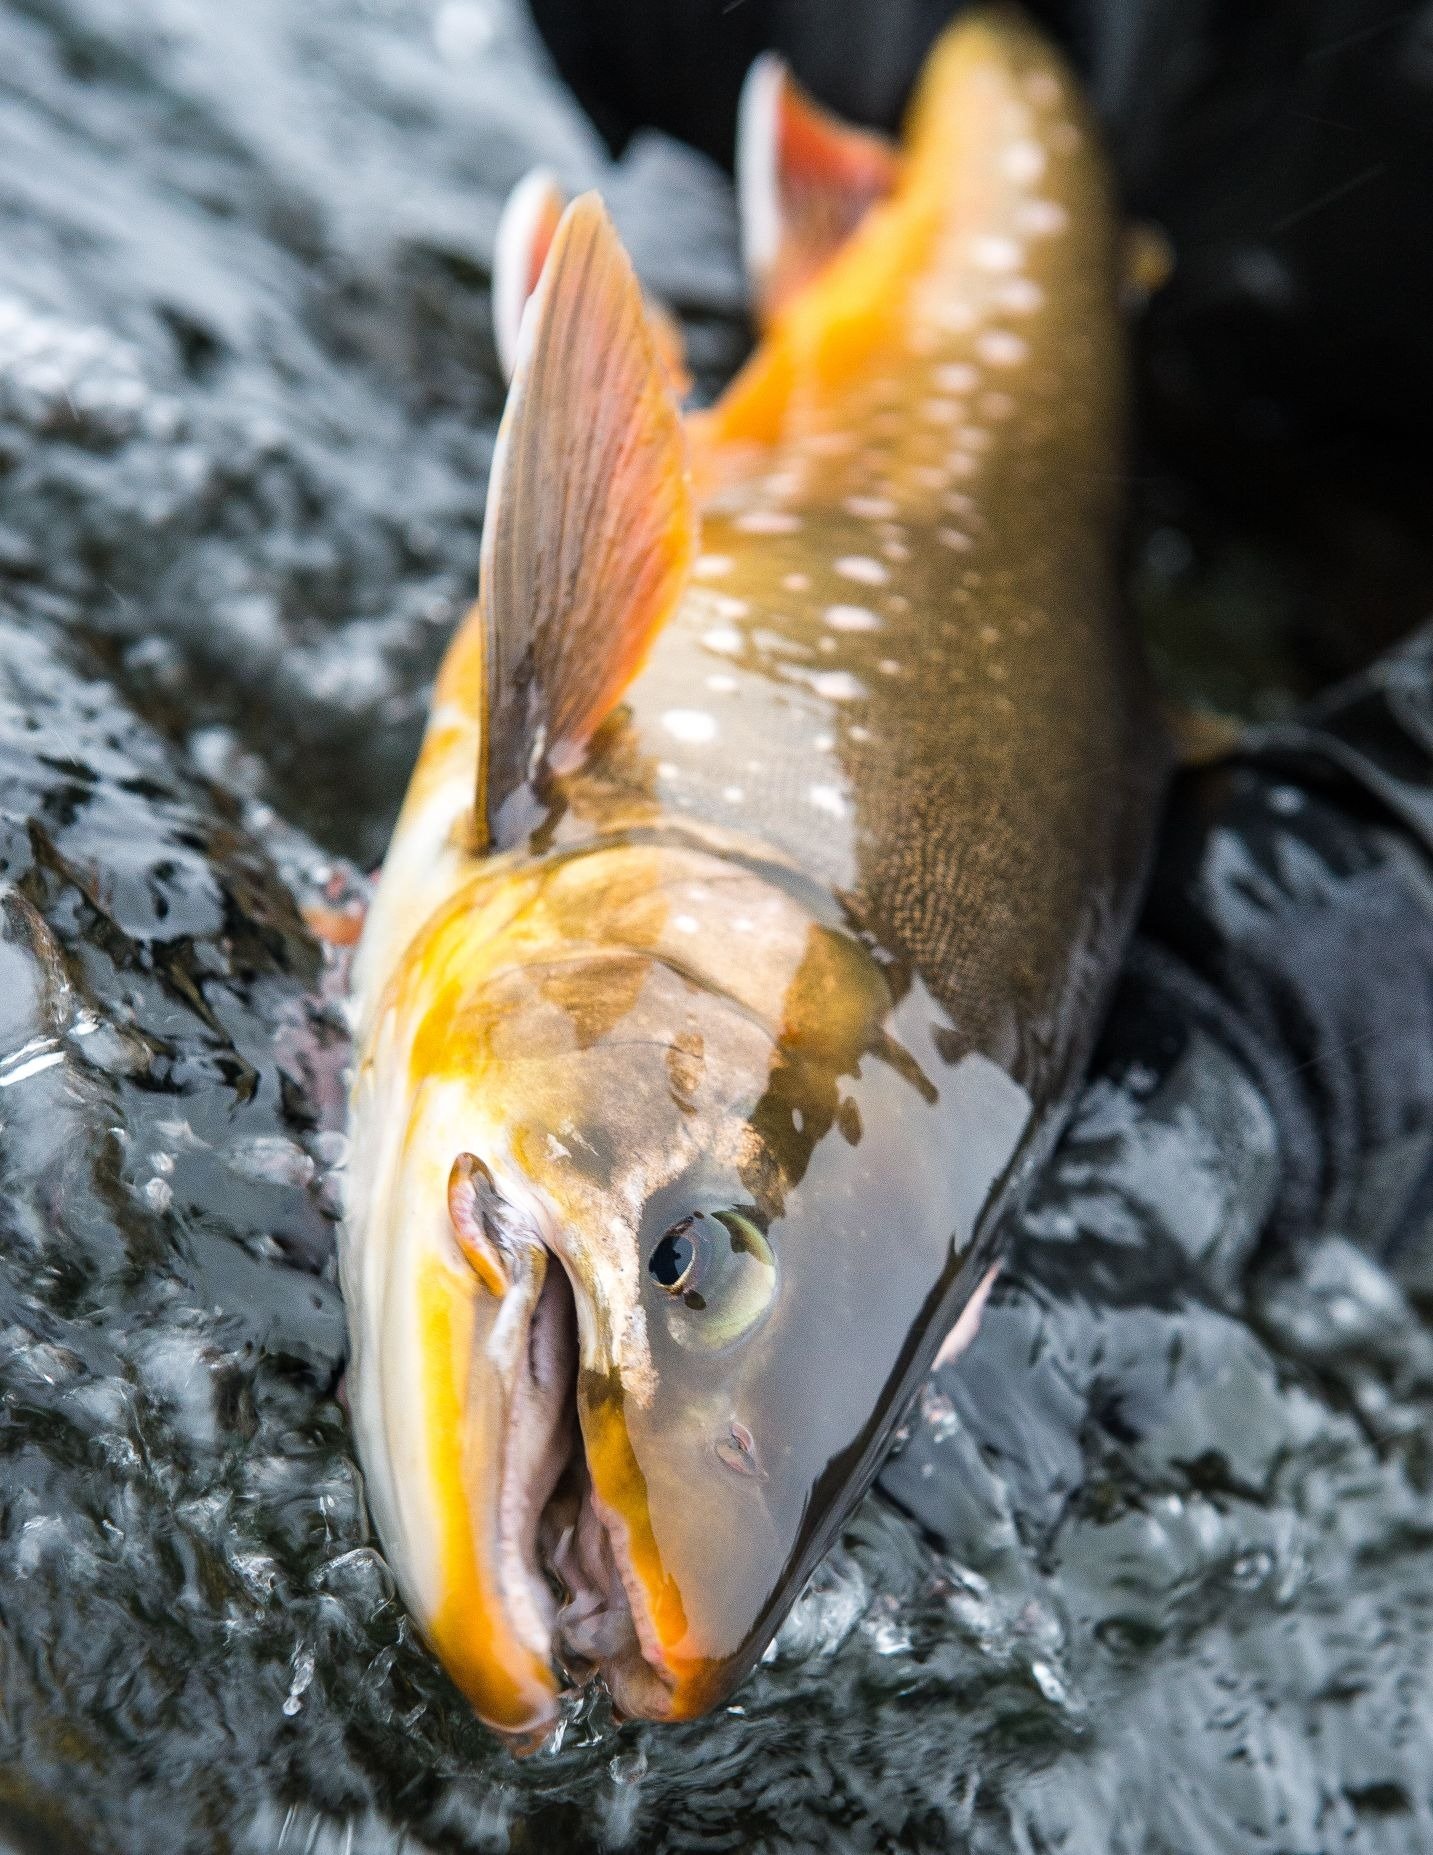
[509, 1687]
[621, 1490]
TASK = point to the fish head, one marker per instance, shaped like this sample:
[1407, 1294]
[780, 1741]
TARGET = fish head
[688, 1202]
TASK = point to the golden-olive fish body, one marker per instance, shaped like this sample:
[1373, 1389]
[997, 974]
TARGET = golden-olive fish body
[758, 890]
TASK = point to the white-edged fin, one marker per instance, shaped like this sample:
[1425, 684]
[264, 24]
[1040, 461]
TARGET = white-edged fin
[590, 530]
[525, 233]
[805, 180]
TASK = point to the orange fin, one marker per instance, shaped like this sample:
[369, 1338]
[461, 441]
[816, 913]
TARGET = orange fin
[590, 532]
[805, 180]
[525, 233]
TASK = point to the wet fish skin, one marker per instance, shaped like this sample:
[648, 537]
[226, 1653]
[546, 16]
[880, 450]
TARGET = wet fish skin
[815, 939]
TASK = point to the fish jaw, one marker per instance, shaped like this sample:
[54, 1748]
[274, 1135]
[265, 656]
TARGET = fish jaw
[462, 1386]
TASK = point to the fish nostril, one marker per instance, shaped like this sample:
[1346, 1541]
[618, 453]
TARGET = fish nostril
[738, 1451]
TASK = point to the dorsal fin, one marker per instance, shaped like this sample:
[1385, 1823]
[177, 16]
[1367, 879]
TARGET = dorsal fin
[525, 233]
[589, 533]
[805, 180]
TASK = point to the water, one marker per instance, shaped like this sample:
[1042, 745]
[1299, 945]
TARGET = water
[1179, 1598]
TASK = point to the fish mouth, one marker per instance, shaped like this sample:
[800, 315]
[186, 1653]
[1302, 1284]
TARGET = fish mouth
[565, 1571]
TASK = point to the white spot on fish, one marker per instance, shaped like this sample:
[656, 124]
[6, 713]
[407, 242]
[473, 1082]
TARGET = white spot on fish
[694, 726]
[996, 405]
[1021, 296]
[1043, 87]
[858, 734]
[827, 799]
[744, 925]
[723, 639]
[889, 666]
[796, 583]
[861, 567]
[830, 444]
[726, 607]
[837, 685]
[720, 684]
[1001, 348]
[954, 537]
[733, 794]
[1042, 217]
[869, 508]
[956, 377]
[851, 618]
[667, 769]
[555, 1148]
[711, 566]
[768, 522]
[996, 254]
[956, 318]
[896, 550]
[1024, 162]
[685, 924]
[824, 743]
[940, 411]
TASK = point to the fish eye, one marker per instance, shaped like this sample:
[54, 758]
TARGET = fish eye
[674, 1260]
[719, 1270]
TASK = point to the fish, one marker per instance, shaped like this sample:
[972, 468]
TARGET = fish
[779, 825]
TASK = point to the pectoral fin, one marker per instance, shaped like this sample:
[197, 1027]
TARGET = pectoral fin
[590, 530]
[805, 181]
[525, 233]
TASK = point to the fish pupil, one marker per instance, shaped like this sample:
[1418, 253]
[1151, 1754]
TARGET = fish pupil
[671, 1261]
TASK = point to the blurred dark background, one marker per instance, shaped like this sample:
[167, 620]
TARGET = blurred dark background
[1286, 147]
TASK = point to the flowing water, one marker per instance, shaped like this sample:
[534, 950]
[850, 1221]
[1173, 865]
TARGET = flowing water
[1171, 1590]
